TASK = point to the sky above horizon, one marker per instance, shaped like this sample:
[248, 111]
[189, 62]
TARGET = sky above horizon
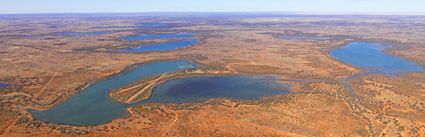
[96, 6]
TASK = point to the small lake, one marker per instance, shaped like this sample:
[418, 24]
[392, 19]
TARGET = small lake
[158, 36]
[153, 25]
[195, 89]
[81, 34]
[94, 106]
[2, 85]
[371, 56]
[165, 46]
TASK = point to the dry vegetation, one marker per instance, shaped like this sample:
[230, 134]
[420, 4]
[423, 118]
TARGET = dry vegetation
[47, 69]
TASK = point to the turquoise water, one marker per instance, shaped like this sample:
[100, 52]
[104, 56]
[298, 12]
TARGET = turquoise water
[158, 36]
[195, 89]
[82, 34]
[93, 105]
[371, 56]
[166, 46]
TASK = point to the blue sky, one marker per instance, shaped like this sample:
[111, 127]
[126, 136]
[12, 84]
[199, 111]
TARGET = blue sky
[82, 6]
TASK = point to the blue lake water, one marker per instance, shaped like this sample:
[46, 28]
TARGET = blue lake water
[371, 56]
[195, 89]
[93, 105]
[81, 34]
[158, 36]
[153, 25]
[5, 85]
[166, 46]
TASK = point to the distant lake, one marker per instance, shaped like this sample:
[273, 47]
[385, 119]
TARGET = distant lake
[166, 46]
[158, 36]
[371, 56]
[153, 25]
[5, 85]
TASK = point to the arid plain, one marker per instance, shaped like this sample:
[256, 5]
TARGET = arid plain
[46, 69]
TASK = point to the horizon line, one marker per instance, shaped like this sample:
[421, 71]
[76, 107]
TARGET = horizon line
[268, 12]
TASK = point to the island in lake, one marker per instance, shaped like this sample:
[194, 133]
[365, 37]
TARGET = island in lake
[212, 74]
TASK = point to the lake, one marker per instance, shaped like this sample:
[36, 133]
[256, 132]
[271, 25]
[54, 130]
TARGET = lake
[158, 36]
[94, 106]
[4, 85]
[165, 46]
[153, 25]
[371, 56]
[202, 88]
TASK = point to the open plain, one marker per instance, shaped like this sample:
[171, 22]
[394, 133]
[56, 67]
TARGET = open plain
[327, 97]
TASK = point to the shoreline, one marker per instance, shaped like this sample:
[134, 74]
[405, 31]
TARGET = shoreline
[122, 71]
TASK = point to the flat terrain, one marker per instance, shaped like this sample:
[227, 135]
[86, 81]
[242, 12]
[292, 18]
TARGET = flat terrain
[46, 69]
